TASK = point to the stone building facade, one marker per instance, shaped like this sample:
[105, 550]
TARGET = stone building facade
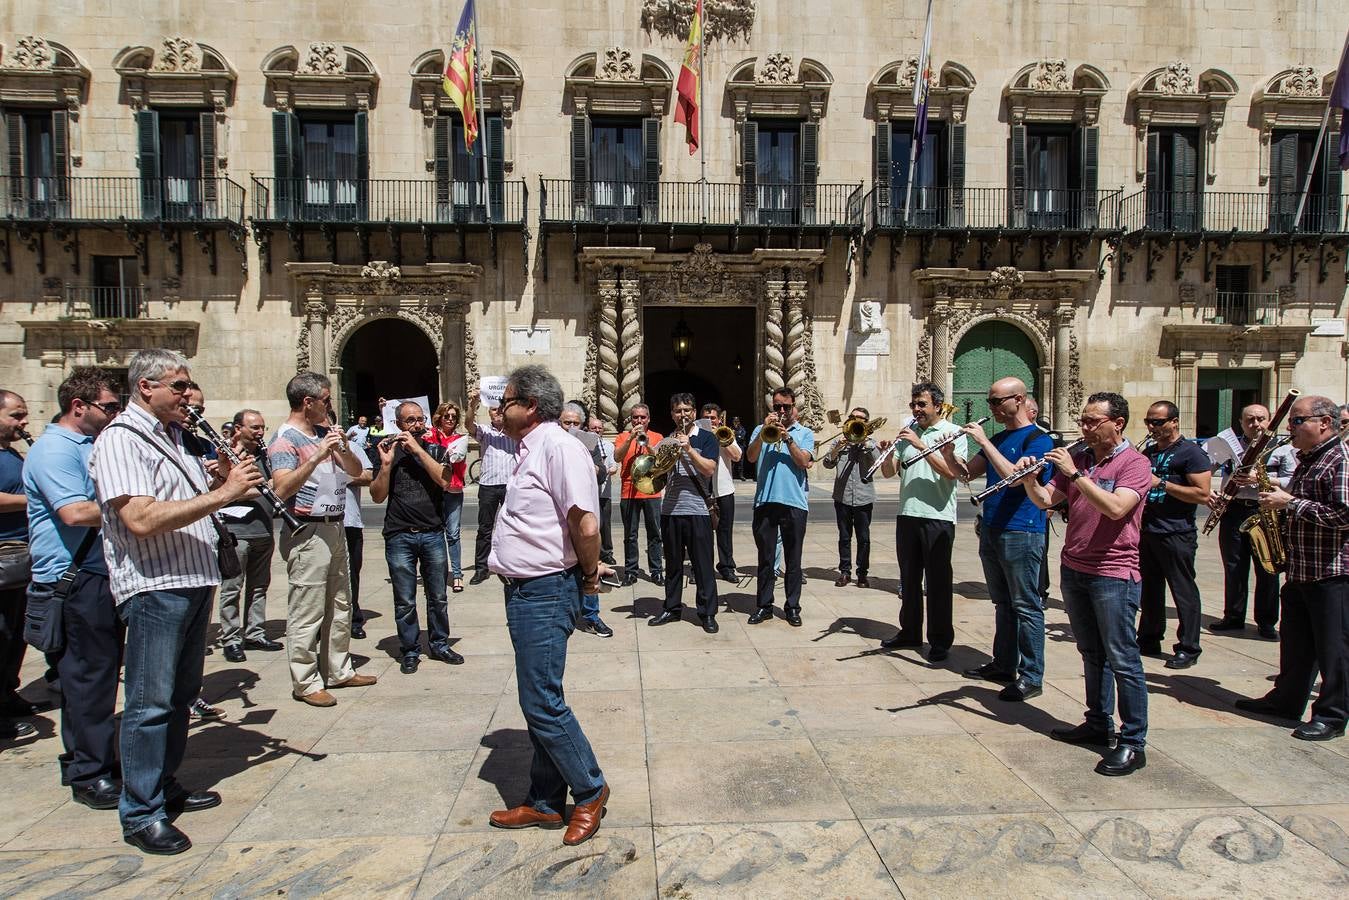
[1105, 200]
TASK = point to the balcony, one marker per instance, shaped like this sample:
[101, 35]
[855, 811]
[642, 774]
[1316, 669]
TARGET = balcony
[68, 201]
[93, 302]
[990, 209]
[1244, 309]
[1227, 212]
[692, 205]
[327, 202]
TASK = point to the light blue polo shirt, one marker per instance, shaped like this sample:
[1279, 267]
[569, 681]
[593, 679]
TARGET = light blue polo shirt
[56, 474]
[778, 478]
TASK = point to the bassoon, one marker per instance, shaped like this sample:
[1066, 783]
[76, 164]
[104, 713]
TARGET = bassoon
[1254, 450]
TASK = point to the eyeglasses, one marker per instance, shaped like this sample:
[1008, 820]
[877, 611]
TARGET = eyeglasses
[917, 404]
[1157, 423]
[111, 408]
[783, 407]
[1092, 421]
[181, 386]
[507, 401]
[1295, 421]
[413, 420]
[994, 401]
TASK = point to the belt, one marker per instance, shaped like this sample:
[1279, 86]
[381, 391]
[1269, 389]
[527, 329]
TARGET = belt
[521, 582]
[416, 530]
[319, 519]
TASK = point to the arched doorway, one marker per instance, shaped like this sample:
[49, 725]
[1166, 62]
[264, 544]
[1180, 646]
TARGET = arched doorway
[991, 350]
[387, 358]
[718, 369]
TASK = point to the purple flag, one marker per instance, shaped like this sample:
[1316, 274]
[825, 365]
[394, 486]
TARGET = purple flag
[1339, 97]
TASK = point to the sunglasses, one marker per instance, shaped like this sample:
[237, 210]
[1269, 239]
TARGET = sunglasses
[783, 407]
[994, 401]
[1155, 423]
[1295, 421]
[181, 386]
[507, 401]
[111, 408]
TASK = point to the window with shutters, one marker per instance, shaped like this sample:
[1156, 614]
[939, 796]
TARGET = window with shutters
[929, 197]
[1291, 159]
[1173, 184]
[36, 161]
[467, 189]
[322, 166]
[177, 164]
[616, 169]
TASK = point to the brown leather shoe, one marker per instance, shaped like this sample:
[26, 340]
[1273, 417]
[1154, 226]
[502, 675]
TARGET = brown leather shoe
[524, 817]
[842, 580]
[355, 681]
[585, 819]
[317, 698]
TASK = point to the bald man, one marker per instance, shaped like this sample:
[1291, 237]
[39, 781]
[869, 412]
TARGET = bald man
[1011, 543]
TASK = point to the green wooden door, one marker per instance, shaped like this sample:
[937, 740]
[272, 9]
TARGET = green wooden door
[989, 351]
[1220, 397]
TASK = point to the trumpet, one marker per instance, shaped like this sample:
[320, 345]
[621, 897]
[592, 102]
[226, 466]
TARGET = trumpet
[855, 430]
[222, 446]
[1012, 479]
[770, 434]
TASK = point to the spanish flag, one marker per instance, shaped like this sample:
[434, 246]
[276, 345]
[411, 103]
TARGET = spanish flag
[686, 106]
[459, 73]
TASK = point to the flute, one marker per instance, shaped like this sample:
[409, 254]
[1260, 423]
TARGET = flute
[222, 446]
[933, 448]
[1012, 479]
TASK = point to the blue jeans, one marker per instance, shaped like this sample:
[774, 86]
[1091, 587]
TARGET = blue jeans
[541, 614]
[1012, 571]
[590, 607]
[165, 650]
[402, 551]
[454, 510]
[1102, 612]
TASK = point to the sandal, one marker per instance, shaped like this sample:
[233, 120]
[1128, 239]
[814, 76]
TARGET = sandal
[458, 586]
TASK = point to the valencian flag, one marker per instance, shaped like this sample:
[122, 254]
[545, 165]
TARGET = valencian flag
[686, 107]
[459, 83]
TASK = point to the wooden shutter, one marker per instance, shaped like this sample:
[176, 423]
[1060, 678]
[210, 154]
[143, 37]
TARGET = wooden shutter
[651, 170]
[284, 152]
[496, 168]
[882, 176]
[749, 172]
[61, 159]
[955, 174]
[1185, 180]
[441, 132]
[580, 164]
[1089, 164]
[1283, 184]
[1017, 181]
[13, 160]
[147, 146]
[362, 165]
[210, 190]
[1332, 182]
[810, 171]
[1156, 194]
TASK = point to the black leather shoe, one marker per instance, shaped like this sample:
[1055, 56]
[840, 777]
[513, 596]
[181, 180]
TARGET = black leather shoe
[160, 838]
[1227, 625]
[269, 646]
[358, 632]
[762, 614]
[446, 656]
[1020, 690]
[793, 617]
[1083, 734]
[730, 576]
[989, 671]
[710, 625]
[658, 579]
[14, 730]
[1121, 761]
[1266, 707]
[101, 793]
[183, 801]
[1318, 731]
[900, 640]
[937, 654]
[863, 581]
[666, 617]
[480, 576]
[235, 653]
[1182, 660]
[410, 664]
[1150, 648]
[842, 580]
[1268, 633]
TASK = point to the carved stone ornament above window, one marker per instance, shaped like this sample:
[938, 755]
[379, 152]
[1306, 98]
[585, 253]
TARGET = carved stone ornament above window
[322, 75]
[723, 19]
[777, 86]
[890, 94]
[175, 72]
[1173, 96]
[499, 88]
[1046, 91]
[1294, 98]
[38, 71]
[615, 82]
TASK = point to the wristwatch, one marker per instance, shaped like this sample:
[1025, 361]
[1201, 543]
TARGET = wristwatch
[1076, 475]
[787, 439]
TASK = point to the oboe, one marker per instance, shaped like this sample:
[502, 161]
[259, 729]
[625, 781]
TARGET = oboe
[222, 446]
[1012, 479]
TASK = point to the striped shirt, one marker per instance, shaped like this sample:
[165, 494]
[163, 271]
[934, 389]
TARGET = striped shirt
[498, 454]
[1317, 529]
[324, 493]
[124, 465]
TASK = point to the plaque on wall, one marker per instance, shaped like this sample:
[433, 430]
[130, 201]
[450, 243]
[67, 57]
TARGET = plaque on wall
[527, 341]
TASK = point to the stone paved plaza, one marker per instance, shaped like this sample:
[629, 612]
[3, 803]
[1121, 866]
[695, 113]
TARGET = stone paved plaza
[762, 761]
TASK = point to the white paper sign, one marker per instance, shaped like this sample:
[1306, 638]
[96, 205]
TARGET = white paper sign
[390, 411]
[490, 389]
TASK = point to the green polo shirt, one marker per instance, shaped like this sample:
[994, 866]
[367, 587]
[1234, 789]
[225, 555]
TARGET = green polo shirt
[923, 493]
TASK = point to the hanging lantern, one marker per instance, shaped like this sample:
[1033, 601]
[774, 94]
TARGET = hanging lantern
[682, 339]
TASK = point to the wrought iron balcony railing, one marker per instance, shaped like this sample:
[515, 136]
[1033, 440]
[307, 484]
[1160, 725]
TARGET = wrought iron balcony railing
[117, 199]
[84, 301]
[399, 201]
[991, 208]
[668, 203]
[1228, 211]
[1240, 308]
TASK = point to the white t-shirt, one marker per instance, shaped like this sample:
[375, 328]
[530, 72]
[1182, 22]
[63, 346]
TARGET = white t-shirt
[725, 485]
[351, 516]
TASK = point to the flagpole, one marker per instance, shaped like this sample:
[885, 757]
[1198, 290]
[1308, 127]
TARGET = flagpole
[482, 121]
[702, 144]
[908, 182]
[1320, 140]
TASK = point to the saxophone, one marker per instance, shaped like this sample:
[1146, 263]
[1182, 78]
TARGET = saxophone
[1265, 527]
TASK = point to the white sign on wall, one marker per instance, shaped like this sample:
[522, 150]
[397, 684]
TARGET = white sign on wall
[528, 341]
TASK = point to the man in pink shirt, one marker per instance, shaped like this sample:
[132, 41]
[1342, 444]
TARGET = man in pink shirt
[546, 547]
[1099, 577]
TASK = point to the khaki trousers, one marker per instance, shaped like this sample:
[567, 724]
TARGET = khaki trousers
[318, 608]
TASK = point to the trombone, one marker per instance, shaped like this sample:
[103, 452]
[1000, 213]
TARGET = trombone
[856, 430]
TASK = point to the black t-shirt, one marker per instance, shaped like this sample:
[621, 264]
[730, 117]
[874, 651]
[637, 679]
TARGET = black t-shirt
[415, 500]
[1163, 513]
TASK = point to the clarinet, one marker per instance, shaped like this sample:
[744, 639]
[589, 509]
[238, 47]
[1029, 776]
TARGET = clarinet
[222, 446]
[27, 438]
[1012, 479]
